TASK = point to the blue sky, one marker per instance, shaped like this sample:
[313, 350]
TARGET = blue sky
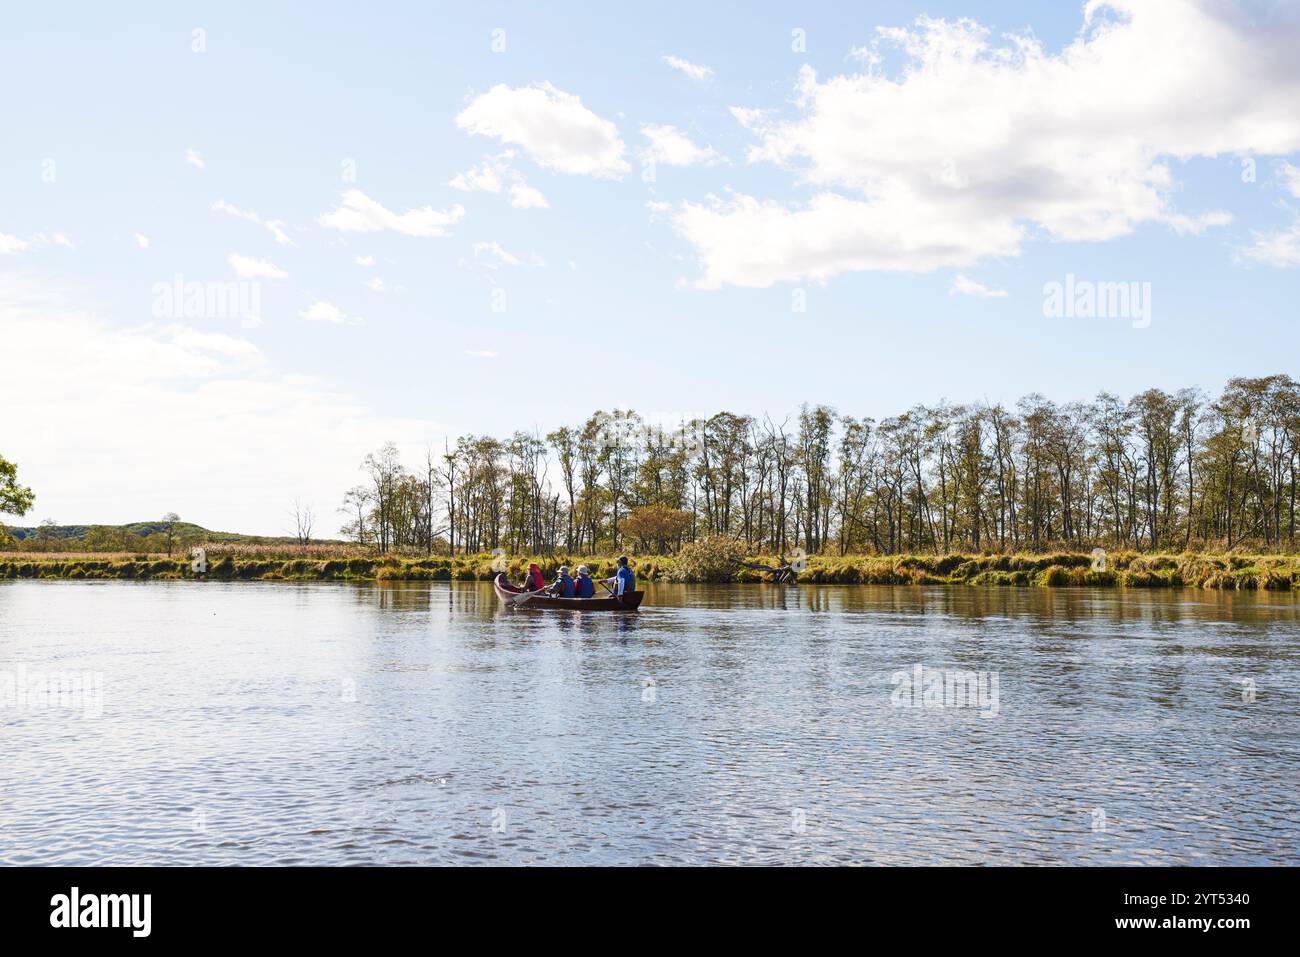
[860, 172]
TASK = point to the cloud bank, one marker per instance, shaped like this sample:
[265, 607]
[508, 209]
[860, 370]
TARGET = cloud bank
[977, 145]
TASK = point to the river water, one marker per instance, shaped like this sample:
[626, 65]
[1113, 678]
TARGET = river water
[325, 723]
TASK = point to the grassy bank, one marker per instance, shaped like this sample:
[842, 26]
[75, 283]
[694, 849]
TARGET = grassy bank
[242, 568]
[1124, 569]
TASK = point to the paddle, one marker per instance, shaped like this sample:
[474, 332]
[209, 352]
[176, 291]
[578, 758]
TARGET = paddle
[612, 593]
[518, 598]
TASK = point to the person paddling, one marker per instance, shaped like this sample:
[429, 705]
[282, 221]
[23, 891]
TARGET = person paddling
[563, 585]
[584, 587]
[623, 582]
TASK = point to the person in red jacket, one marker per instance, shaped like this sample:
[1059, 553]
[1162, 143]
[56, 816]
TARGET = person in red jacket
[534, 581]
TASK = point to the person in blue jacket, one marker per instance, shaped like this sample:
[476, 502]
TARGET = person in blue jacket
[623, 582]
[563, 585]
[584, 587]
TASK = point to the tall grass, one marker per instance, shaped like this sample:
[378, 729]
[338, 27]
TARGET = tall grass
[339, 563]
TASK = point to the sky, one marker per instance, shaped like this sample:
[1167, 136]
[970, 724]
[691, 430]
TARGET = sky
[241, 244]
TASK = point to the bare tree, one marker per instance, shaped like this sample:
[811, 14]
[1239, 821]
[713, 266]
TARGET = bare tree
[357, 503]
[304, 519]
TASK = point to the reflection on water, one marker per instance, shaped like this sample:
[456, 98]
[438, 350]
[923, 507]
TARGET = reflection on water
[259, 723]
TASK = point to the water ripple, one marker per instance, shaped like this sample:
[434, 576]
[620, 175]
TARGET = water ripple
[259, 723]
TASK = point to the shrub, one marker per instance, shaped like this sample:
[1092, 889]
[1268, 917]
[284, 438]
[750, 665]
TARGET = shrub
[946, 563]
[1273, 580]
[1054, 576]
[708, 560]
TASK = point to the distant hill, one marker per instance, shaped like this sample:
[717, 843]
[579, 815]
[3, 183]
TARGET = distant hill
[185, 530]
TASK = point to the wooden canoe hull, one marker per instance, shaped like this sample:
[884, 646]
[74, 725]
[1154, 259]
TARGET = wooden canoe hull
[511, 595]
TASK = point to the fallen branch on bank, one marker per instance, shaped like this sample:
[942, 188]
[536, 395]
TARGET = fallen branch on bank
[781, 574]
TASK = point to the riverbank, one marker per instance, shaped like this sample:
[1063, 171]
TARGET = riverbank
[1122, 569]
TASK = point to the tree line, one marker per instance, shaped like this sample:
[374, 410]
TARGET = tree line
[1158, 470]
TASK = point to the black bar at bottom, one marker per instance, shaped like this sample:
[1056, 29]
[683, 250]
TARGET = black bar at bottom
[368, 905]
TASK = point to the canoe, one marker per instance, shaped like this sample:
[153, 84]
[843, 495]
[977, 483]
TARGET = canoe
[513, 595]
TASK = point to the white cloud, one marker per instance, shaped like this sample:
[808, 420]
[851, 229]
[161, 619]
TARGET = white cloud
[375, 283]
[1290, 177]
[523, 196]
[1280, 248]
[480, 353]
[969, 287]
[492, 256]
[1185, 225]
[484, 178]
[494, 175]
[194, 159]
[274, 226]
[552, 126]
[494, 252]
[322, 311]
[10, 245]
[361, 214]
[246, 267]
[749, 242]
[244, 437]
[694, 71]
[366, 261]
[671, 147]
[142, 240]
[974, 147]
